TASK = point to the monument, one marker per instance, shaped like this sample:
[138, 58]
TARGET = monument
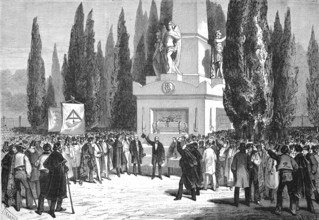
[180, 99]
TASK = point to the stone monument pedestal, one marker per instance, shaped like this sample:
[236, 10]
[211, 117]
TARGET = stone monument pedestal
[172, 105]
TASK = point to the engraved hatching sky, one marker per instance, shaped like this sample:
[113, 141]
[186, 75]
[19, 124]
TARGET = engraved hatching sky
[55, 18]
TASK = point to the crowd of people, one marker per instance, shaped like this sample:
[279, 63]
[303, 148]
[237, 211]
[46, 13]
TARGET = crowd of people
[45, 164]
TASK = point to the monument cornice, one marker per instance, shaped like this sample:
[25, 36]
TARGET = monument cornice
[194, 35]
[179, 97]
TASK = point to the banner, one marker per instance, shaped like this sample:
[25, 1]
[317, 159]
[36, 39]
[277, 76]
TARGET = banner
[54, 119]
[73, 121]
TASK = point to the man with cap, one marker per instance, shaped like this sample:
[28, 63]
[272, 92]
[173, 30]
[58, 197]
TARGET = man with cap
[44, 177]
[286, 166]
[98, 152]
[253, 166]
[239, 168]
[22, 176]
[158, 155]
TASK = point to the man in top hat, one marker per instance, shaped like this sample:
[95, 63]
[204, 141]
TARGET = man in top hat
[22, 168]
[56, 190]
[44, 177]
[158, 155]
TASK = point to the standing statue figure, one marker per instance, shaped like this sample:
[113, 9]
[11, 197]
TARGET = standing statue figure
[167, 54]
[217, 59]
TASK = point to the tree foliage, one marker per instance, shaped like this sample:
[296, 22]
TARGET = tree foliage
[57, 77]
[36, 91]
[90, 79]
[166, 14]
[285, 75]
[138, 70]
[152, 29]
[247, 68]
[110, 83]
[139, 26]
[313, 82]
[215, 20]
[124, 104]
[73, 77]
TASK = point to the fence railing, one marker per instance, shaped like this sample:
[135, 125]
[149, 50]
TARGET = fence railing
[14, 122]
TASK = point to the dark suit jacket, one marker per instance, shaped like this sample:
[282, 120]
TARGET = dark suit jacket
[136, 155]
[158, 155]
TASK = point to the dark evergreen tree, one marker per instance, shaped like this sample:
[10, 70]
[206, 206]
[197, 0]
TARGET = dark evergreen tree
[285, 82]
[152, 29]
[90, 79]
[166, 11]
[138, 72]
[36, 91]
[110, 82]
[50, 96]
[247, 68]
[101, 98]
[313, 81]
[57, 77]
[144, 31]
[124, 104]
[65, 74]
[215, 20]
[139, 25]
[73, 80]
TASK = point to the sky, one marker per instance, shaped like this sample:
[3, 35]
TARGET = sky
[56, 17]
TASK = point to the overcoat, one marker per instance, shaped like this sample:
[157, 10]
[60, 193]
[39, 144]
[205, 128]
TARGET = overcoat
[136, 155]
[158, 155]
[57, 176]
[239, 168]
[209, 159]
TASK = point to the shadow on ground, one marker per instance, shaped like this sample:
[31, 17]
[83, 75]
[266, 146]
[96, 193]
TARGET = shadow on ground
[224, 209]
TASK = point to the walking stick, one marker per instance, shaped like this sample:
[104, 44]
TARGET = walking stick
[32, 193]
[67, 179]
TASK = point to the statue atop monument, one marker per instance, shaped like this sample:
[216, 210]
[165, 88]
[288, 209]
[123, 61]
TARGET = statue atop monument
[217, 59]
[167, 53]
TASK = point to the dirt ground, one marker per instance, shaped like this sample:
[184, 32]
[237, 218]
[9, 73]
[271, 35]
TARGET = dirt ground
[131, 197]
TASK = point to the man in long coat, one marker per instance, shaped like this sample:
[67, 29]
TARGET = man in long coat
[88, 164]
[137, 153]
[239, 168]
[118, 155]
[158, 155]
[56, 190]
[191, 169]
[209, 166]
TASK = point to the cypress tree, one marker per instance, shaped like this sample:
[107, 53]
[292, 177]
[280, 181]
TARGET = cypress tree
[57, 77]
[50, 96]
[90, 79]
[313, 82]
[247, 68]
[110, 82]
[138, 72]
[65, 74]
[139, 26]
[124, 104]
[152, 29]
[285, 81]
[36, 91]
[73, 80]
[101, 98]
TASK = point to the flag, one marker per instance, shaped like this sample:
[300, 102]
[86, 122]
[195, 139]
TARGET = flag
[73, 121]
[54, 119]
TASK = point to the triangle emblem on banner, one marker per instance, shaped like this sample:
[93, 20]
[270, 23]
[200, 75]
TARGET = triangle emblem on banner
[73, 115]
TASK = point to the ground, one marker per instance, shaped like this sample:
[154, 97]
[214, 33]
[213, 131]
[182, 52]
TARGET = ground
[131, 197]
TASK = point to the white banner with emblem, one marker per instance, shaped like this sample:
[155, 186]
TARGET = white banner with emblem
[73, 121]
[54, 119]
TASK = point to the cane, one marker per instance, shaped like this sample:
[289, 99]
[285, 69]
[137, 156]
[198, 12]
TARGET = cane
[67, 180]
[31, 193]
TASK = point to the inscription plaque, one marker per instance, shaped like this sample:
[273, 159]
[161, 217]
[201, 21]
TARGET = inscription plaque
[170, 121]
